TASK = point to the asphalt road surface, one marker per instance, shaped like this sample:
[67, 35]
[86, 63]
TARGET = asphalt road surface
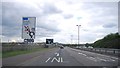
[61, 57]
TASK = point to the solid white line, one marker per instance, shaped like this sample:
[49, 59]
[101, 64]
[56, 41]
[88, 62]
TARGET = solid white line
[47, 60]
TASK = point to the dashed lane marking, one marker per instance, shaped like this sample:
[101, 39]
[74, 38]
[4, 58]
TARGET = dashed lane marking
[91, 58]
[82, 54]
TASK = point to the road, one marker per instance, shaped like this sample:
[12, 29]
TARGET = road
[61, 57]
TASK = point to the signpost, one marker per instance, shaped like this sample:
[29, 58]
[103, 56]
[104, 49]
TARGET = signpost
[28, 29]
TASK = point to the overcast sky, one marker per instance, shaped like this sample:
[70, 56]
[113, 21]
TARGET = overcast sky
[57, 19]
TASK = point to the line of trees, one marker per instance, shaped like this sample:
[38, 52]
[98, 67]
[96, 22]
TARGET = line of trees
[109, 41]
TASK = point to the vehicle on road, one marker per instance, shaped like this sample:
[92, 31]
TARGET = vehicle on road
[61, 47]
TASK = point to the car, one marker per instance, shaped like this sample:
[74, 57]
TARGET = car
[61, 47]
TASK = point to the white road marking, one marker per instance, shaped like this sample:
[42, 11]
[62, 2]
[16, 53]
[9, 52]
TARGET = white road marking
[99, 55]
[47, 60]
[58, 60]
[91, 58]
[57, 54]
[102, 59]
[112, 60]
[61, 59]
[105, 59]
[108, 56]
[79, 53]
[82, 54]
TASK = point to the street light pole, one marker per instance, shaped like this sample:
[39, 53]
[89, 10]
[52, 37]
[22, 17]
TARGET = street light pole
[78, 32]
[71, 39]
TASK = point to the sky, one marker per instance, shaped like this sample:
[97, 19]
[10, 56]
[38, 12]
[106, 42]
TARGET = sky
[57, 19]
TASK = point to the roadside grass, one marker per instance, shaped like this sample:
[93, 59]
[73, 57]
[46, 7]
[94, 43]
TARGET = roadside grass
[19, 52]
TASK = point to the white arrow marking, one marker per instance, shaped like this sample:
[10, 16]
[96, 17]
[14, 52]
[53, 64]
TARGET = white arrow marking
[47, 60]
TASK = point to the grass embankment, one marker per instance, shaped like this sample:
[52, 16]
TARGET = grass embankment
[19, 52]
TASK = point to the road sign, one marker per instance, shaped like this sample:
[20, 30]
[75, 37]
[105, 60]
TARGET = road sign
[28, 27]
[49, 41]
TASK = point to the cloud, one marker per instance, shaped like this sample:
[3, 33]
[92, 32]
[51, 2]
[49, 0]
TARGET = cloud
[13, 13]
[44, 33]
[67, 16]
[58, 19]
[50, 9]
[101, 14]
[11, 31]
[48, 25]
[110, 25]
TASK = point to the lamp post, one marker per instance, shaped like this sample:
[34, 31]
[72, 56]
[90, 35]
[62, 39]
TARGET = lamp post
[78, 32]
[71, 39]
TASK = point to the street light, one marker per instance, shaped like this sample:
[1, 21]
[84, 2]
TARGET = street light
[78, 33]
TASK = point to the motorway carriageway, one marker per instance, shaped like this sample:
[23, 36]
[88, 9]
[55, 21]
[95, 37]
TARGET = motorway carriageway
[61, 57]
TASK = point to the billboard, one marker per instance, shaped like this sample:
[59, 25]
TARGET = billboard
[28, 27]
[49, 41]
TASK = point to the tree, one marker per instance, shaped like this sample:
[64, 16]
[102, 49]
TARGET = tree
[109, 41]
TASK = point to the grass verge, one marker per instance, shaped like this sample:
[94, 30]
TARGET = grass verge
[19, 52]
